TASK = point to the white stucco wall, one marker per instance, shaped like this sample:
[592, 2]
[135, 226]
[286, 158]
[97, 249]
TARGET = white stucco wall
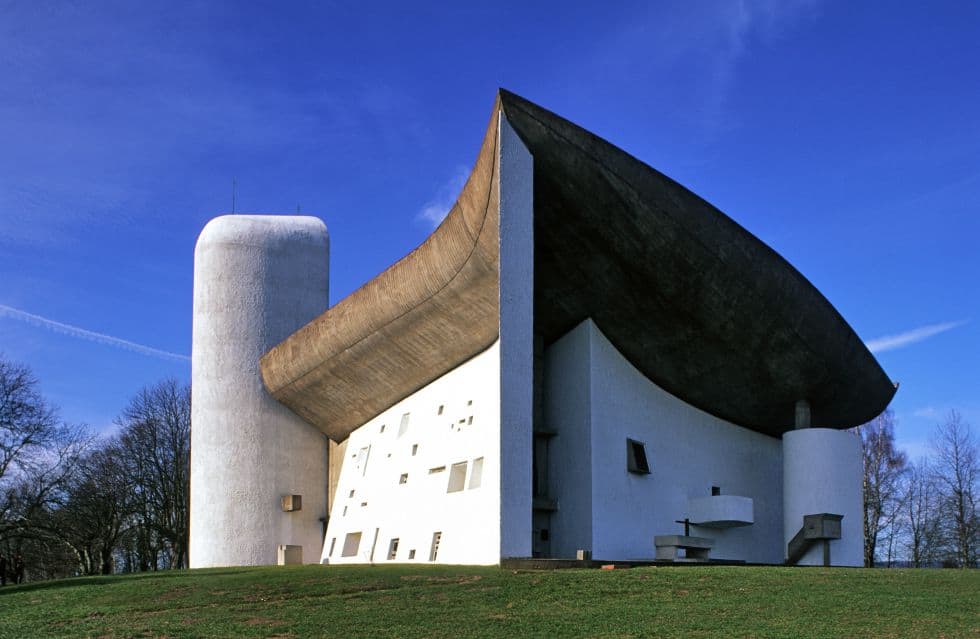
[822, 473]
[516, 183]
[256, 280]
[372, 501]
[688, 450]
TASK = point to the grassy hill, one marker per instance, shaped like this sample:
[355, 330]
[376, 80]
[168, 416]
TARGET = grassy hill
[437, 601]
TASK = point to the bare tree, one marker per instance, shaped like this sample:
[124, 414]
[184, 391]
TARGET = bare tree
[883, 468]
[97, 509]
[38, 455]
[921, 514]
[956, 471]
[155, 440]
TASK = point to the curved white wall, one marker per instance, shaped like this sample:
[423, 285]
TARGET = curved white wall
[257, 279]
[822, 471]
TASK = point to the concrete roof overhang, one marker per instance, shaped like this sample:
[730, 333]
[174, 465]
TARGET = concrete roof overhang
[695, 302]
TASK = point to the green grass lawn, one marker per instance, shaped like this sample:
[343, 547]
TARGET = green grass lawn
[437, 601]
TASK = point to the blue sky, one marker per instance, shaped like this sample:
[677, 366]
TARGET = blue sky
[845, 135]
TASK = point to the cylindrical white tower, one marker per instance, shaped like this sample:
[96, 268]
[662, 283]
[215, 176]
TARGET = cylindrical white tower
[257, 279]
[822, 473]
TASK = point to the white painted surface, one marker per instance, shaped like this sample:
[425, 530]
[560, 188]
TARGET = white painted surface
[822, 473]
[721, 511]
[688, 450]
[257, 279]
[516, 183]
[372, 500]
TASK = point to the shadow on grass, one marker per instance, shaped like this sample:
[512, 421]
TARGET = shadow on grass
[98, 580]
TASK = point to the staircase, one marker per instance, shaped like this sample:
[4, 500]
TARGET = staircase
[816, 528]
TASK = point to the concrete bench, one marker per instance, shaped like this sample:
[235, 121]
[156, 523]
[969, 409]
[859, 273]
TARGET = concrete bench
[695, 548]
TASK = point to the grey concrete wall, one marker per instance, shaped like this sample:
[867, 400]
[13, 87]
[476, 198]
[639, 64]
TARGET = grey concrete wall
[567, 412]
[516, 184]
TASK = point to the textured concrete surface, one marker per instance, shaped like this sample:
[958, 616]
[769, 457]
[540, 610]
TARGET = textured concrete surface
[694, 301]
[256, 280]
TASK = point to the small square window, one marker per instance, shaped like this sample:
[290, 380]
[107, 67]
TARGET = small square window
[636, 458]
[403, 479]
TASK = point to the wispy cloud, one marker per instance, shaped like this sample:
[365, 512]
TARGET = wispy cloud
[927, 412]
[100, 338]
[435, 210]
[891, 342]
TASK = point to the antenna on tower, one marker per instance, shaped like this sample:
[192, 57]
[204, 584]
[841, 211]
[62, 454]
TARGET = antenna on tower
[234, 193]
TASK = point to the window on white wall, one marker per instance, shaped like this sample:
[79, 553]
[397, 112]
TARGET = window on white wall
[351, 543]
[333, 542]
[403, 479]
[360, 463]
[393, 549]
[457, 478]
[434, 550]
[403, 426]
[636, 458]
[476, 475]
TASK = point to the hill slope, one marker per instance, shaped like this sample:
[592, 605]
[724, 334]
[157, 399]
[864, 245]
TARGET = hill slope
[436, 601]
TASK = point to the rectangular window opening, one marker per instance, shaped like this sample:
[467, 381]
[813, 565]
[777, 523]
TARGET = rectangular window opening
[415, 449]
[437, 469]
[351, 543]
[636, 458]
[393, 549]
[362, 459]
[403, 479]
[333, 542]
[382, 428]
[715, 491]
[403, 426]
[434, 551]
[476, 475]
[457, 478]
[470, 420]
[441, 407]
[411, 554]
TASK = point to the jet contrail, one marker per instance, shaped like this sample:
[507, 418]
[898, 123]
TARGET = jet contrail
[74, 331]
[890, 342]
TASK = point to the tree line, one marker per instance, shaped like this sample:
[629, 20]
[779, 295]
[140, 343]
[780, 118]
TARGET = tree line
[924, 512]
[72, 503]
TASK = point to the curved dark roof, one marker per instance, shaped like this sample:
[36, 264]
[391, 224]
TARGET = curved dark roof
[695, 302]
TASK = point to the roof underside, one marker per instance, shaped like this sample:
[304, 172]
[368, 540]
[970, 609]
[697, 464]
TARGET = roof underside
[694, 301]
